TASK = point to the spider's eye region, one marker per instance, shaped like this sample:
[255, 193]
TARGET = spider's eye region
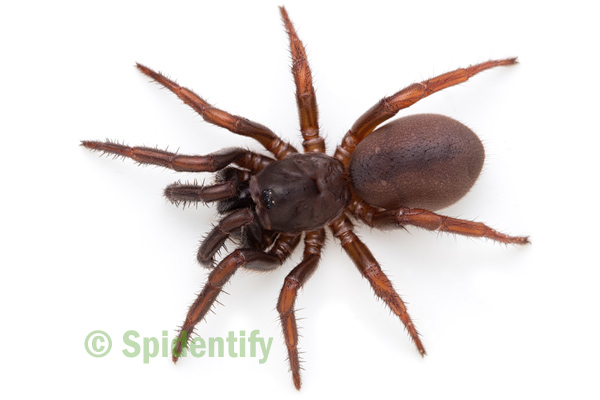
[267, 196]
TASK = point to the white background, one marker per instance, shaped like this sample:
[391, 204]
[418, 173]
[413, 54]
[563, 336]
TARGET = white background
[90, 243]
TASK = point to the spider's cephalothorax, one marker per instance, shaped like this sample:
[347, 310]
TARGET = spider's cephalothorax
[388, 178]
[302, 192]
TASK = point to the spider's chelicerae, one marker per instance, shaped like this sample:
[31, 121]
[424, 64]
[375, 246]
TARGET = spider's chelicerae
[388, 178]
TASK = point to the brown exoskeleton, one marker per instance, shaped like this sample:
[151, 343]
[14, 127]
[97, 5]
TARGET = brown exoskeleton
[388, 177]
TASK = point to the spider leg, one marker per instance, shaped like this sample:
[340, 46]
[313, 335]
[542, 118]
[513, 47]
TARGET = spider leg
[283, 246]
[230, 182]
[305, 92]
[217, 237]
[215, 116]
[370, 269]
[220, 275]
[216, 280]
[389, 106]
[179, 162]
[390, 219]
[184, 193]
[293, 282]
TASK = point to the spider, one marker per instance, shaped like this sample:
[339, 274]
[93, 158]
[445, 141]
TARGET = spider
[390, 177]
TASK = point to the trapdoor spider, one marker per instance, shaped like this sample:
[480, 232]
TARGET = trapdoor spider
[387, 178]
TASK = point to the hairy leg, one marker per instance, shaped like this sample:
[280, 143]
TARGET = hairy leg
[220, 275]
[178, 162]
[220, 233]
[230, 183]
[390, 219]
[305, 92]
[313, 243]
[387, 107]
[215, 116]
[370, 269]
[184, 193]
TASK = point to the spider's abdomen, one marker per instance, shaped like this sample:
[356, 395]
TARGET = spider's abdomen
[302, 192]
[427, 161]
